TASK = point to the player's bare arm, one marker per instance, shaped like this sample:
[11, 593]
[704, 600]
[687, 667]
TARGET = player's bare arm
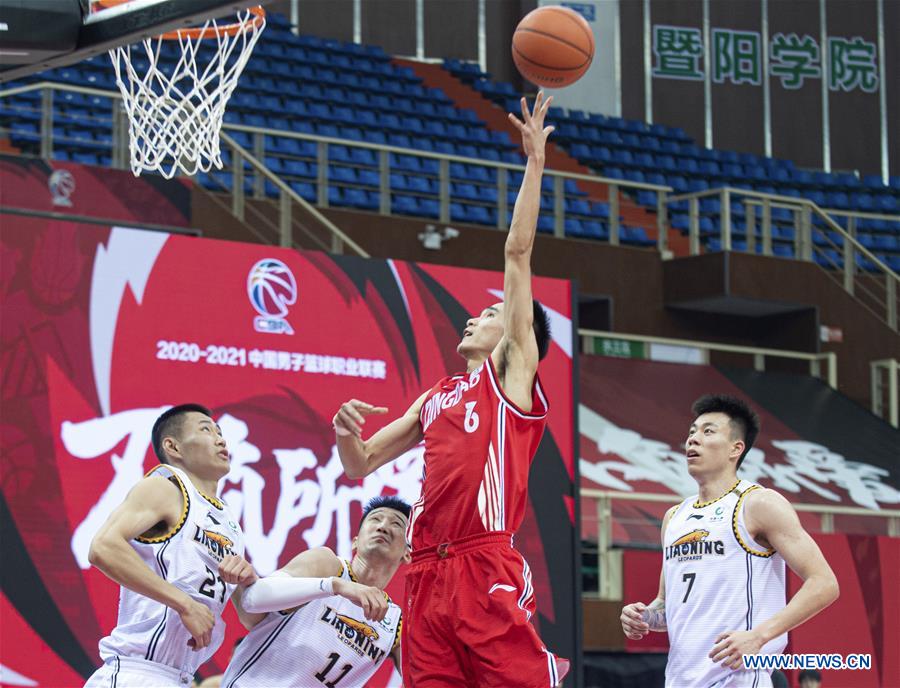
[639, 619]
[362, 457]
[153, 508]
[516, 356]
[310, 575]
[772, 522]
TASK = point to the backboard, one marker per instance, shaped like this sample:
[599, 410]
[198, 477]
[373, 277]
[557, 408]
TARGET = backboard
[55, 33]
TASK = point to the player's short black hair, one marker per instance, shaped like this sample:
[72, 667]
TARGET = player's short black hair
[541, 328]
[385, 502]
[809, 673]
[169, 423]
[743, 419]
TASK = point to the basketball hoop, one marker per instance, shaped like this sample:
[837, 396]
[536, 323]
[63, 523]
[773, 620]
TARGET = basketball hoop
[175, 109]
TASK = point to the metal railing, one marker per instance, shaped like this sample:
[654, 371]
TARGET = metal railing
[609, 557]
[759, 354]
[255, 160]
[863, 281]
[885, 380]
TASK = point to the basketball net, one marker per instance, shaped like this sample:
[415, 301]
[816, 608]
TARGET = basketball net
[175, 110]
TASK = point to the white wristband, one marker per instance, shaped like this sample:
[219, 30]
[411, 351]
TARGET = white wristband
[281, 591]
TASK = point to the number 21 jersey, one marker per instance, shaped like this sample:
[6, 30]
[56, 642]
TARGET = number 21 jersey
[188, 557]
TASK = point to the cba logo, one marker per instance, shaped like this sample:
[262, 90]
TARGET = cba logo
[272, 288]
[61, 184]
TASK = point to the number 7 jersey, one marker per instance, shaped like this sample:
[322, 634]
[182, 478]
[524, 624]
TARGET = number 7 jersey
[478, 451]
[717, 579]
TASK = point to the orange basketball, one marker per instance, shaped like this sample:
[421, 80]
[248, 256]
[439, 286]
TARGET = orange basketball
[553, 46]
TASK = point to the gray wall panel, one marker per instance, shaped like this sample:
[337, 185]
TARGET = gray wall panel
[451, 29]
[390, 24]
[737, 108]
[892, 61]
[796, 114]
[855, 128]
[679, 103]
[632, 22]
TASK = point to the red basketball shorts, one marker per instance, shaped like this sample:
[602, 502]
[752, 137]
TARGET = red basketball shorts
[468, 605]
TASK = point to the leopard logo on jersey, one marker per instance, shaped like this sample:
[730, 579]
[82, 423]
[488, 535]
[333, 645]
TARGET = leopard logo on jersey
[694, 545]
[217, 544]
[357, 635]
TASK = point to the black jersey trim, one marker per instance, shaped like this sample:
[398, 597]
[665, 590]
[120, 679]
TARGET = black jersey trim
[186, 501]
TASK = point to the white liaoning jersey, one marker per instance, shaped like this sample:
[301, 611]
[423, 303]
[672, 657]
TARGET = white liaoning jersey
[717, 579]
[187, 557]
[326, 642]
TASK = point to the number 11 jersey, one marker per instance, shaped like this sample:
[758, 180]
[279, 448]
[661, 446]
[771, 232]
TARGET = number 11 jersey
[327, 643]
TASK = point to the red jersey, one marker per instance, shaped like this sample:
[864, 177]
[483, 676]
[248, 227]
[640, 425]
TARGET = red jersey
[478, 451]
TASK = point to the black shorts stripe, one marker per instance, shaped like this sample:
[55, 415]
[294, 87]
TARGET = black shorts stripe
[115, 675]
[261, 649]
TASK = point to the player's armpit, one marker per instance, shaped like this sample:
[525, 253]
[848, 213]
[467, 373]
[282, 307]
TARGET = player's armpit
[154, 504]
[153, 501]
[516, 367]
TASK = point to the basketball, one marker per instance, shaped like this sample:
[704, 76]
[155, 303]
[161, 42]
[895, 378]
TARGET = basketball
[553, 46]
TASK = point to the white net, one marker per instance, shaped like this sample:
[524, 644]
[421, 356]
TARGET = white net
[175, 88]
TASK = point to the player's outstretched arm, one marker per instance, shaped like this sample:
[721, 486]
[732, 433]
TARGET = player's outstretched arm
[309, 576]
[153, 501]
[362, 457]
[516, 356]
[638, 618]
[774, 522]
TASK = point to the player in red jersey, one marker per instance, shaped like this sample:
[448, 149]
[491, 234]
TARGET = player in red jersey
[468, 590]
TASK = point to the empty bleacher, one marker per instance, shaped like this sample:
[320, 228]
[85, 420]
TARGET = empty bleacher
[355, 93]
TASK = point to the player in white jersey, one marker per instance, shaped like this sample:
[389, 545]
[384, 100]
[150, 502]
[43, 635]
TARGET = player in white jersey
[163, 545]
[325, 621]
[722, 586]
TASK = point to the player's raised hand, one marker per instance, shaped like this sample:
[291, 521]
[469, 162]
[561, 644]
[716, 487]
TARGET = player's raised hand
[373, 601]
[633, 624]
[531, 126]
[237, 571]
[199, 621]
[352, 416]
